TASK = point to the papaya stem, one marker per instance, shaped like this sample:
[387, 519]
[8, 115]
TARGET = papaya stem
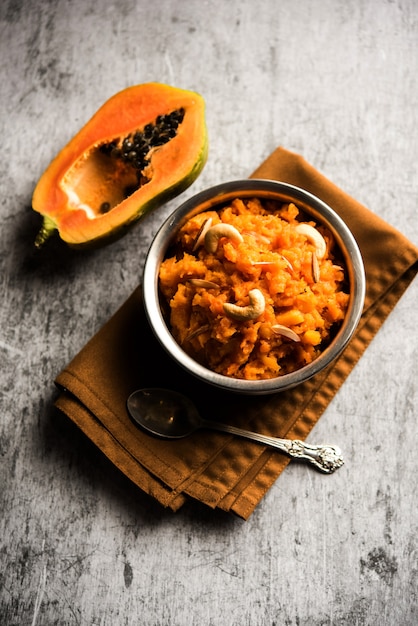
[47, 229]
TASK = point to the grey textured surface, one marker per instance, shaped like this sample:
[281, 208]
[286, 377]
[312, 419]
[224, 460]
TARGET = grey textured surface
[335, 80]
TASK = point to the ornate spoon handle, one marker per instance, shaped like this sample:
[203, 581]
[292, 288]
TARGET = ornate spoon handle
[327, 458]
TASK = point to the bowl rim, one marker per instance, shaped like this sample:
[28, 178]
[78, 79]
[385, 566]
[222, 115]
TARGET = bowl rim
[218, 195]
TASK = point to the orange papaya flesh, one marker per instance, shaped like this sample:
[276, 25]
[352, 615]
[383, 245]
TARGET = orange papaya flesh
[144, 146]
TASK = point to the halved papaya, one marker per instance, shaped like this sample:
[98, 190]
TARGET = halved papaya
[143, 147]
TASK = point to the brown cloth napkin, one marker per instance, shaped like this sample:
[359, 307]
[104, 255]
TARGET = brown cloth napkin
[217, 469]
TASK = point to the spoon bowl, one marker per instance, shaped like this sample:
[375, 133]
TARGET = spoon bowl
[164, 413]
[171, 415]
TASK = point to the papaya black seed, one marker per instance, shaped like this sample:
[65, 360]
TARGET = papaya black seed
[107, 148]
[104, 207]
[134, 148]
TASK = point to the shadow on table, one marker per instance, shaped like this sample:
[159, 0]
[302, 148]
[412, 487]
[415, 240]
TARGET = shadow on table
[65, 443]
[53, 258]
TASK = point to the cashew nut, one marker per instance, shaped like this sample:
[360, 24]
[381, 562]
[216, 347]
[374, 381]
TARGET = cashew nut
[249, 312]
[316, 272]
[279, 329]
[205, 284]
[315, 237]
[202, 232]
[220, 230]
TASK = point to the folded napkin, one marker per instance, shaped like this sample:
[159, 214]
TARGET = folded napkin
[214, 468]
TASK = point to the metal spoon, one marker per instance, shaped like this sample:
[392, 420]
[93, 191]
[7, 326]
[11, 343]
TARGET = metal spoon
[171, 415]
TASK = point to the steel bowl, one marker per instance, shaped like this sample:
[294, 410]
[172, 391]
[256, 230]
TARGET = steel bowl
[218, 196]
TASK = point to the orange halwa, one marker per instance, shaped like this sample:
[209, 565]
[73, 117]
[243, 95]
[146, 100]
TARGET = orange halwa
[289, 297]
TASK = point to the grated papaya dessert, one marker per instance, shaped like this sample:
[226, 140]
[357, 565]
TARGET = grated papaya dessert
[255, 289]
